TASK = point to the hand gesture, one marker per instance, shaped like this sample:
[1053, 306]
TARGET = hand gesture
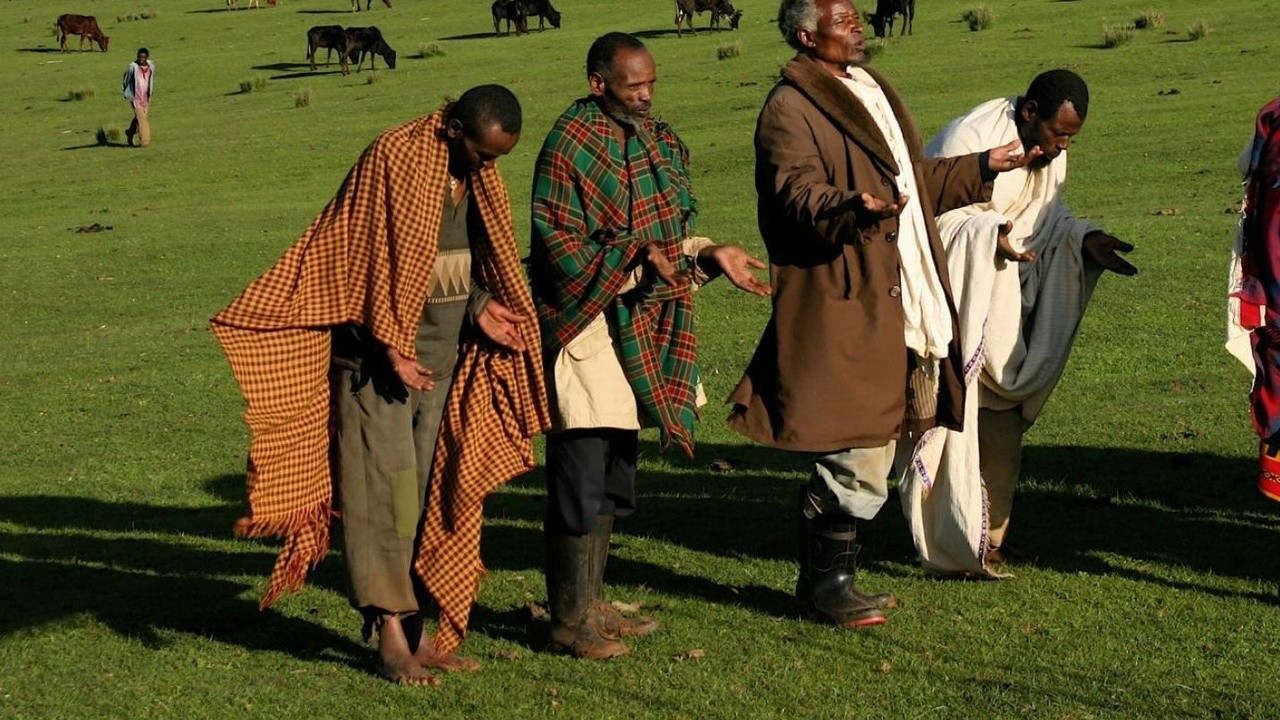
[502, 325]
[1010, 157]
[651, 255]
[412, 374]
[878, 209]
[1004, 248]
[736, 264]
[1101, 248]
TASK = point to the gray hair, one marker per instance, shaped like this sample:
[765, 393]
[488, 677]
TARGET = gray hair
[797, 15]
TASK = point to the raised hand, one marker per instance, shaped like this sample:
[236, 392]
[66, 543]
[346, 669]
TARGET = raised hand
[1010, 157]
[502, 325]
[736, 264]
[1101, 248]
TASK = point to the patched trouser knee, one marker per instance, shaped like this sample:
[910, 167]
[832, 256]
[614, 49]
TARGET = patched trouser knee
[384, 449]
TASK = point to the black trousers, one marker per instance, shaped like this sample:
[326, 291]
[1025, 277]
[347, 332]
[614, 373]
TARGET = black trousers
[590, 472]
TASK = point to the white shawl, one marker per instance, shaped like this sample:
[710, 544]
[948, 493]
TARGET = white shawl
[1015, 354]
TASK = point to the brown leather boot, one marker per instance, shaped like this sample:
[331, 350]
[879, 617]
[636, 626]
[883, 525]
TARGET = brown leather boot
[577, 628]
[614, 621]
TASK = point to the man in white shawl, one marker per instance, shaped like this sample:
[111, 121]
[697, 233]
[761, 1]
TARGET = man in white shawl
[1022, 269]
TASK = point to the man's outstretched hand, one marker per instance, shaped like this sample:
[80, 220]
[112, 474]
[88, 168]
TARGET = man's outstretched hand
[502, 325]
[878, 209]
[736, 264]
[1004, 248]
[1101, 248]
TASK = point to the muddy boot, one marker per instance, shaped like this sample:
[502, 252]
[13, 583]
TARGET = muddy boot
[614, 621]
[577, 628]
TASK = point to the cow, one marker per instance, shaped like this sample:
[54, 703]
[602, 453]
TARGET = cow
[329, 37]
[885, 12]
[355, 4]
[543, 9]
[511, 11]
[361, 40]
[86, 26]
[685, 10]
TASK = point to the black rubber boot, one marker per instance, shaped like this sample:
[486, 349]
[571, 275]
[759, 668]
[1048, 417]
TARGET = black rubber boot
[577, 628]
[827, 587]
[614, 621]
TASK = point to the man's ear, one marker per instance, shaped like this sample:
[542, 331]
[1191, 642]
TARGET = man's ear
[1029, 111]
[805, 36]
[453, 128]
[597, 83]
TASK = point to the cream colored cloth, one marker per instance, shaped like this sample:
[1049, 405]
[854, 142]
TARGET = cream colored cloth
[926, 319]
[1017, 324]
[589, 386]
[1238, 343]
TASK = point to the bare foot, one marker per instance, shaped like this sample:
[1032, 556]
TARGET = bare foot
[426, 656]
[395, 662]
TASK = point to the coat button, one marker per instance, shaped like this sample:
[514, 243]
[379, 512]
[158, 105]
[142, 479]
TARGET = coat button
[890, 236]
[895, 291]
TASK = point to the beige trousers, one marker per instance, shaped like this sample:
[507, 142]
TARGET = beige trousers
[1000, 461]
[140, 126]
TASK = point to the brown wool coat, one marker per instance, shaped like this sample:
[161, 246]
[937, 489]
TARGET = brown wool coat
[831, 369]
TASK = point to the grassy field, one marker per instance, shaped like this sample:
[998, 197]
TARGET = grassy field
[123, 594]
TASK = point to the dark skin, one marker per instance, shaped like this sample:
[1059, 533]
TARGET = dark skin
[1053, 136]
[625, 95]
[837, 43]
[399, 660]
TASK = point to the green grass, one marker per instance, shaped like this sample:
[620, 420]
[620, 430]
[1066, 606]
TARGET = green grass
[978, 18]
[121, 445]
[1116, 35]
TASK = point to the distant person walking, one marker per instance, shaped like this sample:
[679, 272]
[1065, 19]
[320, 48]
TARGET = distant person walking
[1253, 328]
[139, 80]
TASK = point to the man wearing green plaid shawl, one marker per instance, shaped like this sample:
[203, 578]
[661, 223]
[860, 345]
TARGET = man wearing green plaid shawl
[613, 265]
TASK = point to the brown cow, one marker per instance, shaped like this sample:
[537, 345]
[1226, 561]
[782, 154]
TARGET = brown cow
[86, 26]
[685, 10]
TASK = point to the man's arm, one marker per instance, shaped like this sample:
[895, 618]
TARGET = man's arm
[792, 173]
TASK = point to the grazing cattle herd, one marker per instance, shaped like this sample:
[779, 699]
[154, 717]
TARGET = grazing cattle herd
[357, 42]
[685, 10]
[351, 43]
[519, 12]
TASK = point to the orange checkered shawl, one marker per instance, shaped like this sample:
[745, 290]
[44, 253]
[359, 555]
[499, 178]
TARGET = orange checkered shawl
[367, 259]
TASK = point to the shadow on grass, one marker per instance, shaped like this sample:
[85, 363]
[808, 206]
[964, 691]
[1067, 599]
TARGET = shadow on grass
[310, 73]
[1155, 511]
[133, 567]
[282, 66]
[473, 36]
[87, 146]
[324, 12]
[39, 50]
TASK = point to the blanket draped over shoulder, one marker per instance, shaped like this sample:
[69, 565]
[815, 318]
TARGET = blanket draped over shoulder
[1253, 325]
[1017, 324]
[589, 221]
[367, 259]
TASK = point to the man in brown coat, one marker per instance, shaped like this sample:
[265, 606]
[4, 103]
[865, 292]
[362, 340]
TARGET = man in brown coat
[861, 345]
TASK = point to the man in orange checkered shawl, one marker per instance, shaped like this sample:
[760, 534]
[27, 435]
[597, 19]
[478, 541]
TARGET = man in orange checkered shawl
[401, 310]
